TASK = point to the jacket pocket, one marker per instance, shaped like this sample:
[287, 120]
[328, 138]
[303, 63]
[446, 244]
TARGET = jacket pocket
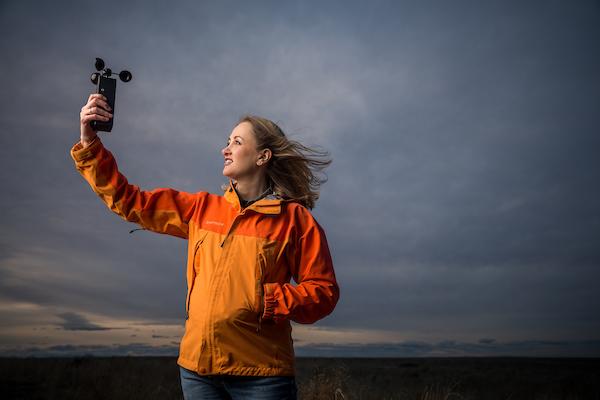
[194, 265]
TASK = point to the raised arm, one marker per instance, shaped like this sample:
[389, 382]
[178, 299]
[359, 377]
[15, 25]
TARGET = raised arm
[161, 210]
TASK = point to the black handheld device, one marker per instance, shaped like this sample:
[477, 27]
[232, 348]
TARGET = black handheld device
[107, 87]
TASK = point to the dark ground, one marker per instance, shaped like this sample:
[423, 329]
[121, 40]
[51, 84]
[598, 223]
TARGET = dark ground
[318, 378]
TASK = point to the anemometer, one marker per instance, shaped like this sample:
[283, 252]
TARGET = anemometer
[106, 86]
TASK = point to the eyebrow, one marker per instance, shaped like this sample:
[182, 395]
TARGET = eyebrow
[238, 137]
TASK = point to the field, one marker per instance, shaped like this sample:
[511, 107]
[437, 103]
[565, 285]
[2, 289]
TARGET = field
[318, 378]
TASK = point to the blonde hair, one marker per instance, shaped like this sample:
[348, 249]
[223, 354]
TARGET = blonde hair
[295, 171]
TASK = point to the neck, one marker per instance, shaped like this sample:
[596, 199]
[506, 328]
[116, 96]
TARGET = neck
[249, 189]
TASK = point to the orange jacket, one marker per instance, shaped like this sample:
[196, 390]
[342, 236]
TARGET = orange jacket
[239, 301]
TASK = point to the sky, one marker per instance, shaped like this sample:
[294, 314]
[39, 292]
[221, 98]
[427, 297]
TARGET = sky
[462, 207]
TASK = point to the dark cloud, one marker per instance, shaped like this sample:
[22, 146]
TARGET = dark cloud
[75, 322]
[529, 348]
[130, 349]
[450, 348]
[463, 195]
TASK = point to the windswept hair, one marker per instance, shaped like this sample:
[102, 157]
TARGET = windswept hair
[295, 171]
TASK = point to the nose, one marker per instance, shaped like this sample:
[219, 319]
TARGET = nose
[225, 151]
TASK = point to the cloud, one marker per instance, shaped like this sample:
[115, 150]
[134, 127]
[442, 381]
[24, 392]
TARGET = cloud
[450, 348]
[76, 322]
[462, 199]
[69, 350]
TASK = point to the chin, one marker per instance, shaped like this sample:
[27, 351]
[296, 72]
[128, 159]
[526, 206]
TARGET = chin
[228, 174]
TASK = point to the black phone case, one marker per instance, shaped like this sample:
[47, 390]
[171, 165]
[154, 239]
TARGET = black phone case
[108, 88]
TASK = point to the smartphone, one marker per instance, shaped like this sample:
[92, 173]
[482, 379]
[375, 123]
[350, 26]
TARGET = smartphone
[108, 88]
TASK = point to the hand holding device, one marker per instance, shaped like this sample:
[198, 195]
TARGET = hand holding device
[96, 109]
[107, 87]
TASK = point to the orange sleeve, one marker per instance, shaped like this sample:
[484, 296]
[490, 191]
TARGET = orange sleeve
[160, 210]
[317, 291]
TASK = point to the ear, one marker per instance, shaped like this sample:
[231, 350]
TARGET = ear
[264, 156]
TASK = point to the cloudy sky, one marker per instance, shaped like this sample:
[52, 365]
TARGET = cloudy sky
[462, 207]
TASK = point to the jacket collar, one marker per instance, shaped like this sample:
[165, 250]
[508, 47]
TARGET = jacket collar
[270, 204]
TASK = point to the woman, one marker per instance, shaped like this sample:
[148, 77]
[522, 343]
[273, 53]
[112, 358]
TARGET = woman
[243, 249]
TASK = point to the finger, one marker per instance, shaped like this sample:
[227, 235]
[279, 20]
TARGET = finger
[88, 118]
[99, 102]
[95, 104]
[96, 96]
[99, 111]
[104, 105]
[94, 111]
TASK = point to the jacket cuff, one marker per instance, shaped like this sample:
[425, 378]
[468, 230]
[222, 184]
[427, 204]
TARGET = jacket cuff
[270, 301]
[79, 153]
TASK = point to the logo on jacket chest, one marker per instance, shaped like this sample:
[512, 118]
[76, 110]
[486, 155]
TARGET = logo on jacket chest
[210, 222]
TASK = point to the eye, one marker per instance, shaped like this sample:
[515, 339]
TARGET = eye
[236, 141]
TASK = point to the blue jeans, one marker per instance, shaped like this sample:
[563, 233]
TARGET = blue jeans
[216, 387]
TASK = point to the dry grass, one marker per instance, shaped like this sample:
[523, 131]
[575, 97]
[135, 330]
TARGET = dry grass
[318, 378]
[440, 392]
[449, 379]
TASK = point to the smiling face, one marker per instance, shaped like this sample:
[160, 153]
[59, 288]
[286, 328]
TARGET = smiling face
[242, 159]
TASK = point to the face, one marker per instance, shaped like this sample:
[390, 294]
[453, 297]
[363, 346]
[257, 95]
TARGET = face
[241, 156]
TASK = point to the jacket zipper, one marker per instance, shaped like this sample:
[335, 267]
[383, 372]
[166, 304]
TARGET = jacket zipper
[230, 228]
[232, 225]
[187, 306]
[260, 306]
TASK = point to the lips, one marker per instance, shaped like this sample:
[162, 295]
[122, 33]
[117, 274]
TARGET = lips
[228, 161]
